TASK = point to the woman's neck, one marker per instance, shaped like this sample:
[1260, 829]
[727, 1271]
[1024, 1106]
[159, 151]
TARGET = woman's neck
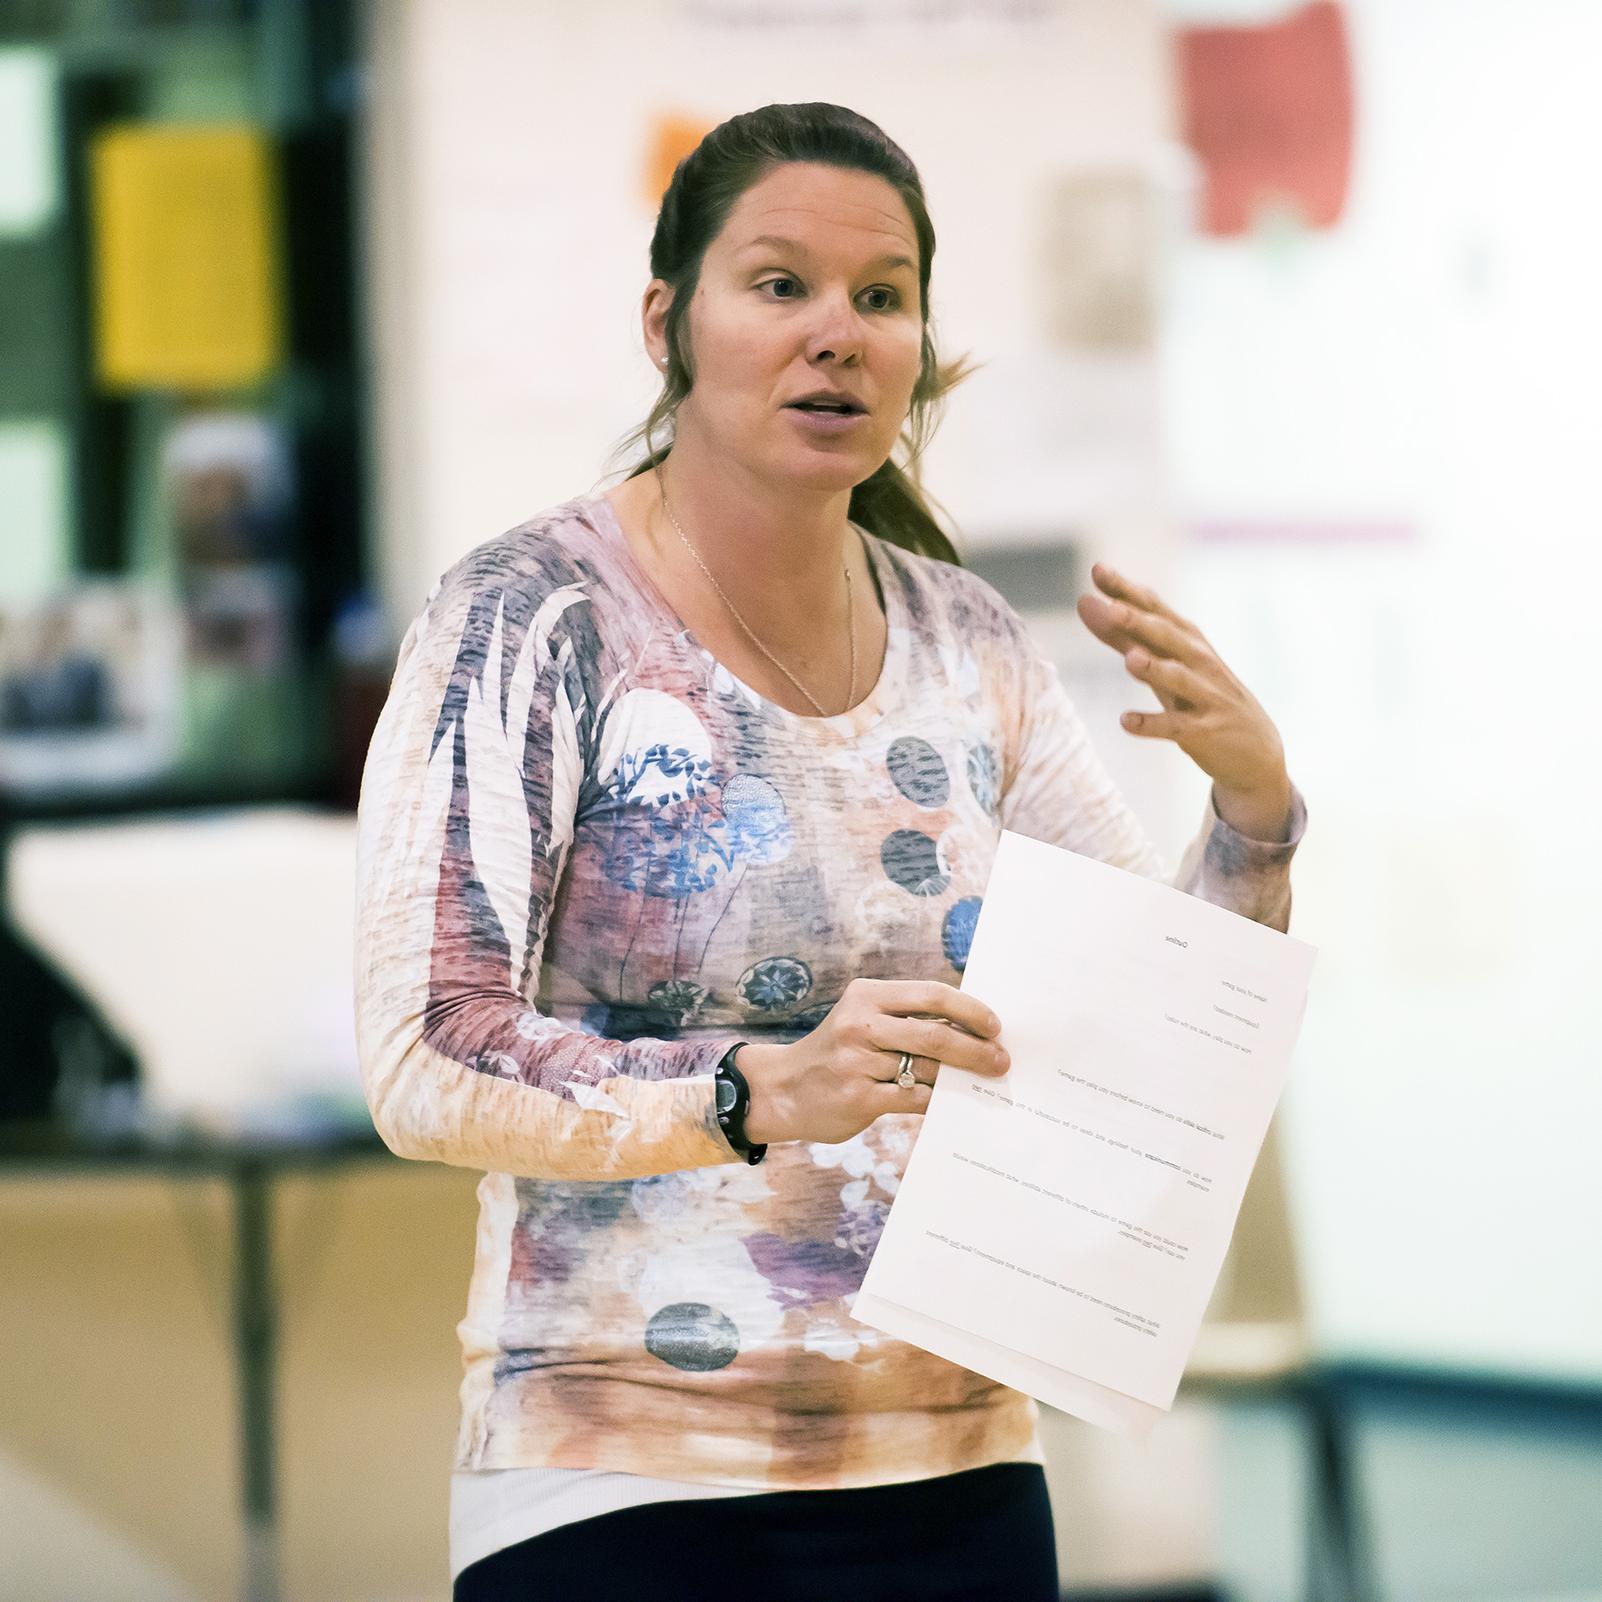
[775, 548]
[794, 601]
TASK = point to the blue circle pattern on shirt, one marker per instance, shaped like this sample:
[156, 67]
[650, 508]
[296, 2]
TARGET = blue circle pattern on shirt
[666, 837]
[758, 819]
[956, 930]
[775, 982]
[673, 837]
[919, 771]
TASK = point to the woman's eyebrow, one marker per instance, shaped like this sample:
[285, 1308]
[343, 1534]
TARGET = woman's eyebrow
[774, 241]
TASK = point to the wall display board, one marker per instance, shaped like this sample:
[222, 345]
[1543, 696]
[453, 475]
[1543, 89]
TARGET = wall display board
[180, 402]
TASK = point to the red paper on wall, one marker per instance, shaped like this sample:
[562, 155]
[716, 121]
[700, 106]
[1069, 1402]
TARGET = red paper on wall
[1269, 111]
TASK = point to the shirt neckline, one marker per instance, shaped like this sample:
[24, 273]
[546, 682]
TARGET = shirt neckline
[847, 725]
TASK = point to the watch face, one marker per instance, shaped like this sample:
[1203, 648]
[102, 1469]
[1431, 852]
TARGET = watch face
[726, 1094]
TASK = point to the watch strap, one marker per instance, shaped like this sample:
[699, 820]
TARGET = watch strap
[732, 1101]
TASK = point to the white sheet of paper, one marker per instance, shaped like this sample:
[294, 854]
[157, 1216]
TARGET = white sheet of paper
[1061, 1229]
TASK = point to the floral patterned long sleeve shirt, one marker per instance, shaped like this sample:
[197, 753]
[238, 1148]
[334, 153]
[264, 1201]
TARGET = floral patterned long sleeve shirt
[589, 860]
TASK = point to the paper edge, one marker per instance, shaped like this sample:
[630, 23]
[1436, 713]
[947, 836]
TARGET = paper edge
[1067, 1392]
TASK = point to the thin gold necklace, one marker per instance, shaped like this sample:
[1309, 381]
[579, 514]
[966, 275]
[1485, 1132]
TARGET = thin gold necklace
[851, 694]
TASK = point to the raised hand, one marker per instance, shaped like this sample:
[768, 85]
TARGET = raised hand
[1206, 711]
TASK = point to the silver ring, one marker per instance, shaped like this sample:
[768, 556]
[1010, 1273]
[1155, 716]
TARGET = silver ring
[905, 1077]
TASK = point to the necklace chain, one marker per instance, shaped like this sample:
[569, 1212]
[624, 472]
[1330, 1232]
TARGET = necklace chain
[851, 694]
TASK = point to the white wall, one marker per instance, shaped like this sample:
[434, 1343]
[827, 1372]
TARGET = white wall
[1431, 364]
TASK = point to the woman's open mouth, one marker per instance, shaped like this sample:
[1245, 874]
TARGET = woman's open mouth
[825, 417]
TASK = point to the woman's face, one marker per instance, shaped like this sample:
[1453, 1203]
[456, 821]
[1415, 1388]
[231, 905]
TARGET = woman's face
[812, 284]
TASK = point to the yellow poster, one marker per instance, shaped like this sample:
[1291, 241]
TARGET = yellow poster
[186, 268]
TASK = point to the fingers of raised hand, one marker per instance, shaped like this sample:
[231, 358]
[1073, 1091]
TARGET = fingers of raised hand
[1122, 625]
[1104, 619]
[1162, 635]
[1111, 582]
[1130, 614]
[1154, 725]
[1179, 688]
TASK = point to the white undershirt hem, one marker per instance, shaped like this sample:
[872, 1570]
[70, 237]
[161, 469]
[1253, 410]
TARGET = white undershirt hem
[496, 1508]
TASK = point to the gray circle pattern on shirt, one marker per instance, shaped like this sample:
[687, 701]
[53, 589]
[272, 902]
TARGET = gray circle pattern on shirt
[692, 1336]
[912, 860]
[919, 771]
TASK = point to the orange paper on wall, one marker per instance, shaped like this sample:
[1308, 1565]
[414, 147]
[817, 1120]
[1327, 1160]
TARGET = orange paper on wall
[671, 139]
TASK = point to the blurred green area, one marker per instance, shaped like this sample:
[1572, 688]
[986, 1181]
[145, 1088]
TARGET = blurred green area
[81, 485]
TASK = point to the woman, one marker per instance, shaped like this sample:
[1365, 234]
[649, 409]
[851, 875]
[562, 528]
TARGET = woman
[673, 835]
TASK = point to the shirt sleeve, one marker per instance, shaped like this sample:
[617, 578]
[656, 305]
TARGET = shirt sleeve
[1058, 791]
[463, 824]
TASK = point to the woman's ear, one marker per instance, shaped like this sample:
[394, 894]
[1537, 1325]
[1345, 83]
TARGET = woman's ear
[653, 318]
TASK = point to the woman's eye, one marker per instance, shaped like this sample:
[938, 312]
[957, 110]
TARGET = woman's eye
[880, 298]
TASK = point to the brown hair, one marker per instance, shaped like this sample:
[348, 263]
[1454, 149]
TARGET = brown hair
[736, 154]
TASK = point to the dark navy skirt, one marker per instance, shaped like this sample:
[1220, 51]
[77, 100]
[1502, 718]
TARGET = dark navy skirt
[984, 1535]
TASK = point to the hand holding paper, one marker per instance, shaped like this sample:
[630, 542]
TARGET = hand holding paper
[1060, 1229]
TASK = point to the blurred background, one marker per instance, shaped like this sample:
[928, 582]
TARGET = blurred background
[1290, 310]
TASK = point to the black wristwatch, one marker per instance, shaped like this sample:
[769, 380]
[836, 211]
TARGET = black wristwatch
[733, 1102]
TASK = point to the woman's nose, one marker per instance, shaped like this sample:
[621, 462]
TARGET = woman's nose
[836, 330]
